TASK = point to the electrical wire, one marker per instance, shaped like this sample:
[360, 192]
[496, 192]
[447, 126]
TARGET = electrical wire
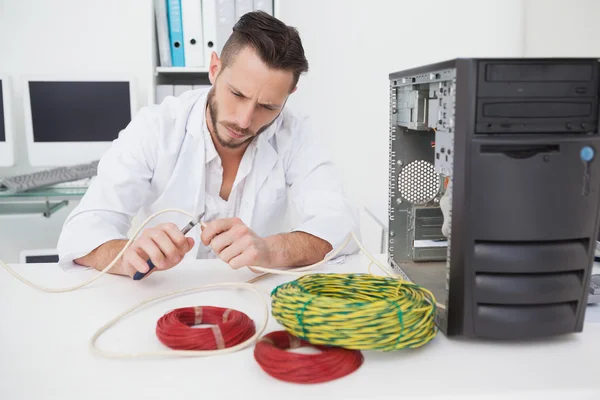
[181, 353]
[296, 271]
[228, 328]
[106, 269]
[329, 364]
[356, 311]
[187, 353]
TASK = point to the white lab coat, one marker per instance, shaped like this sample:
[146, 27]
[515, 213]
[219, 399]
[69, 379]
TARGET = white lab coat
[157, 162]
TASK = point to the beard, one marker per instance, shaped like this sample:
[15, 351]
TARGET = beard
[226, 140]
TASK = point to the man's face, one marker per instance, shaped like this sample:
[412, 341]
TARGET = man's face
[246, 97]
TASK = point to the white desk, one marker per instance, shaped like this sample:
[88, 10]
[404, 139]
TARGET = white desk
[44, 349]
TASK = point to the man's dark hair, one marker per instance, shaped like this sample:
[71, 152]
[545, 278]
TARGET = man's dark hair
[278, 45]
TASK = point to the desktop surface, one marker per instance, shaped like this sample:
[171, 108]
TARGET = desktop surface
[46, 338]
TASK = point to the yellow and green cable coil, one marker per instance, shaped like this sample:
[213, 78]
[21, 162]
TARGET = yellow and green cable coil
[356, 311]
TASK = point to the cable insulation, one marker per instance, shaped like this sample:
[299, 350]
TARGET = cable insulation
[356, 311]
[180, 353]
[229, 327]
[106, 269]
[417, 337]
[331, 363]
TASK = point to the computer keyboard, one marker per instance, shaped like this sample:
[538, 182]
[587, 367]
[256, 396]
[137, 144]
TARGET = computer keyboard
[22, 183]
[78, 184]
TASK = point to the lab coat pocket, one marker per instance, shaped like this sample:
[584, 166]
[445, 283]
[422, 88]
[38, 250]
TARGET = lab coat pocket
[274, 189]
[270, 215]
[270, 203]
[272, 200]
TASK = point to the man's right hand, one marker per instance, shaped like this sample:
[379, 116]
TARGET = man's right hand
[164, 244]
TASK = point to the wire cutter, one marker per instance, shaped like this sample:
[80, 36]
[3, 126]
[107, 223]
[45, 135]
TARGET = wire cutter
[139, 275]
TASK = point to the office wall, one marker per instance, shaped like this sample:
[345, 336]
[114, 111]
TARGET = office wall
[351, 45]
[559, 28]
[64, 37]
[73, 37]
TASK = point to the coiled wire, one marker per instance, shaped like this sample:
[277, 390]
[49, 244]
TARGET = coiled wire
[356, 311]
[329, 364]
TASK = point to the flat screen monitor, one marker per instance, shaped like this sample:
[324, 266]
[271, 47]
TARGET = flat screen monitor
[7, 158]
[75, 120]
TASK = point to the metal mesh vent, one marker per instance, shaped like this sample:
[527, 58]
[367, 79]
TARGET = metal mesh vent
[418, 182]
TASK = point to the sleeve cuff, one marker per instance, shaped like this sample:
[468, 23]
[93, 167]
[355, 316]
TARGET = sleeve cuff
[79, 238]
[332, 231]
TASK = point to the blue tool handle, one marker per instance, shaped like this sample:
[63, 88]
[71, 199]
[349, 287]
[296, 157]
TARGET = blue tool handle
[139, 275]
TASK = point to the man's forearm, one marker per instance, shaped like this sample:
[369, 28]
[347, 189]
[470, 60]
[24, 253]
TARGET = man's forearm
[101, 256]
[297, 249]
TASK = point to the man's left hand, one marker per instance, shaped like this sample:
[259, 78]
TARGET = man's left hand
[236, 244]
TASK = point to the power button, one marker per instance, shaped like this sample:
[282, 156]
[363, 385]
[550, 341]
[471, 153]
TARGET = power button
[586, 153]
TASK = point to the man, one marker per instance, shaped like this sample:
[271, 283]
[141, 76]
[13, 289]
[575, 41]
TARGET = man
[232, 152]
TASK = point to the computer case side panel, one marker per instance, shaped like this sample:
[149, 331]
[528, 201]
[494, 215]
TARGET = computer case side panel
[460, 306]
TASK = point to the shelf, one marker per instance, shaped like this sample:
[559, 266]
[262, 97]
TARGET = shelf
[54, 193]
[181, 70]
[45, 201]
[45, 208]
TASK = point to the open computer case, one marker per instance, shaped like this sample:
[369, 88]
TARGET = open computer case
[510, 146]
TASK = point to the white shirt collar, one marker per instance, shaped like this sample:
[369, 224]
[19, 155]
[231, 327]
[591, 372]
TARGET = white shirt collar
[210, 150]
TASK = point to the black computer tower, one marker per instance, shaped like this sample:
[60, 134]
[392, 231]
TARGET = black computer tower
[510, 145]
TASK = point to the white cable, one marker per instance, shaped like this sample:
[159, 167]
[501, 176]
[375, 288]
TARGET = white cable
[298, 271]
[105, 270]
[189, 353]
[184, 353]
[295, 272]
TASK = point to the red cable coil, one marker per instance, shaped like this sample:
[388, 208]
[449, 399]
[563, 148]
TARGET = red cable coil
[229, 327]
[332, 363]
